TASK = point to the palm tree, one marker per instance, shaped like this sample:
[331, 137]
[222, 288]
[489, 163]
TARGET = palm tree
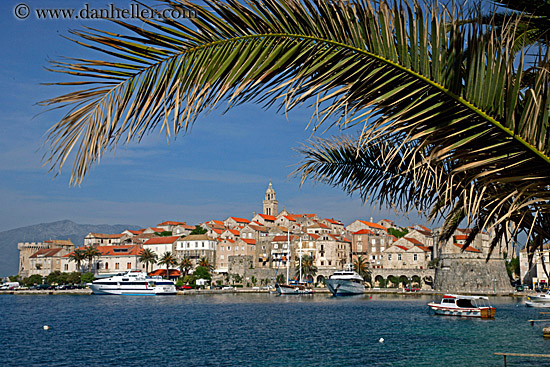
[204, 262]
[167, 260]
[361, 266]
[445, 120]
[77, 256]
[148, 256]
[91, 253]
[308, 267]
[185, 265]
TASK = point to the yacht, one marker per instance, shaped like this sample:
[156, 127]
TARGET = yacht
[345, 282]
[294, 287]
[133, 283]
[464, 306]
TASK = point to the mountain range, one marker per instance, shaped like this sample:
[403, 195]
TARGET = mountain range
[60, 230]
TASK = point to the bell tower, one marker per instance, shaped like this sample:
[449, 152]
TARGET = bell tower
[270, 202]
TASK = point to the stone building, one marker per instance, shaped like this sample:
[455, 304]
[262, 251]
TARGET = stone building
[27, 249]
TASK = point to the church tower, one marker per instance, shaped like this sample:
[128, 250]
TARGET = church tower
[270, 203]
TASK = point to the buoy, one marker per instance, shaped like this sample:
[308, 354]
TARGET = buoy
[46, 327]
[381, 340]
[546, 332]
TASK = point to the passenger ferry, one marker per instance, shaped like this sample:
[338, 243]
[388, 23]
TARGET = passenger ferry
[464, 306]
[133, 283]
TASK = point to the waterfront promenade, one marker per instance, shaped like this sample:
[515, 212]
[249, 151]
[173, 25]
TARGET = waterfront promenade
[265, 291]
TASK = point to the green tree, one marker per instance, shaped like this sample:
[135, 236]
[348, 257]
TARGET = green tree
[446, 122]
[202, 272]
[398, 233]
[87, 277]
[167, 260]
[147, 256]
[198, 230]
[308, 267]
[74, 277]
[78, 255]
[163, 234]
[53, 277]
[91, 253]
[280, 279]
[33, 279]
[185, 265]
[361, 266]
[205, 263]
[253, 280]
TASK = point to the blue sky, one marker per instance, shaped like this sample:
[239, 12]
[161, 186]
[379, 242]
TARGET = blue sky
[222, 168]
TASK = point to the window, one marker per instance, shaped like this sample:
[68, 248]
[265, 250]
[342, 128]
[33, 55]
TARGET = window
[66, 267]
[202, 244]
[106, 265]
[381, 248]
[117, 265]
[358, 238]
[228, 248]
[128, 265]
[373, 257]
[322, 263]
[221, 257]
[399, 257]
[389, 257]
[329, 262]
[242, 248]
[221, 248]
[275, 246]
[373, 241]
[415, 257]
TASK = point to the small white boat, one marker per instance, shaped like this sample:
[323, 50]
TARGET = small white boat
[540, 297]
[133, 283]
[463, 306]
[345, 283]
[293, 288]
[537, 304]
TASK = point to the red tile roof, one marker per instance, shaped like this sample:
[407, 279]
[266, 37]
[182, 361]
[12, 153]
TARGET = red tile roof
[162, 273]
[136, 232]
[119, 250]
[314, 236]
[249, 241]
[425, 228]
[268, 217]
[259, 228]
[240, 220]
[364, 231]
[290, 218]
[218, 231]
[373, 225]
[171, 223]
[413, 240]
[282, 238]
[461, 236]
[45, 252]
[155, 229]
[229, 240]
[424, 248]
[235, 232]
[162, 240]
[332, 221]
[469, 248]
[402, 247]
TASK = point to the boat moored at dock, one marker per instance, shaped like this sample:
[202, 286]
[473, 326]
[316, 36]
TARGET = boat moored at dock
[293, 288]
[345, 283]
[133, 283]
[463, 306]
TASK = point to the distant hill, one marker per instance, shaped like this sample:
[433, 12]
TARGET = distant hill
[61, 230]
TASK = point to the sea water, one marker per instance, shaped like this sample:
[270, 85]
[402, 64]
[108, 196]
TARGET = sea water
[260, 330]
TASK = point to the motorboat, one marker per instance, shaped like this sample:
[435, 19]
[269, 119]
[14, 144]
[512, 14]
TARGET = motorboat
[294, 287]
[537, 304]
[540, 297]
[464, 306]
[345, 283]
[133, 283]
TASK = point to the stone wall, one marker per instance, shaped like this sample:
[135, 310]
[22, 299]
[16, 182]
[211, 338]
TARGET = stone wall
[464, 273]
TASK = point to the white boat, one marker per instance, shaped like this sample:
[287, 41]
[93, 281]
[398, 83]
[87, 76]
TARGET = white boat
[540, 297]
[345, 283]
[293, 288]
[537, 304]
[133, 283]
[464, 306]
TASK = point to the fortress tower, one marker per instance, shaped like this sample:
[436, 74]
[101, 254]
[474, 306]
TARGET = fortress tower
[270, 203]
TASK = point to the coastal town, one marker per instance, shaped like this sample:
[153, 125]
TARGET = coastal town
[271, 245]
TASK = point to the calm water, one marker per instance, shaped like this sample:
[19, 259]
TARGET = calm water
[258, 330]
